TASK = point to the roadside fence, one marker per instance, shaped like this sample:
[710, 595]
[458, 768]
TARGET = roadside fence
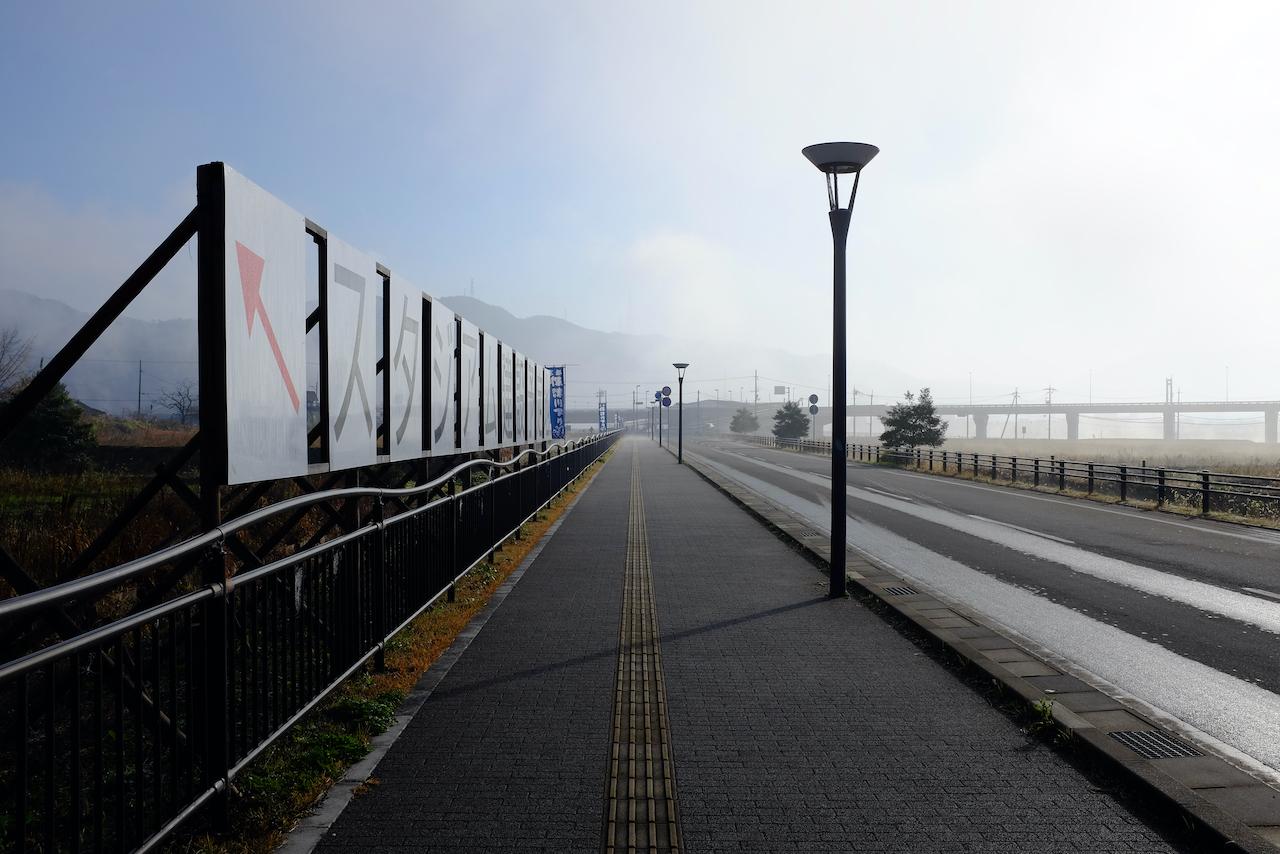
[1205, 492]
[111, 738]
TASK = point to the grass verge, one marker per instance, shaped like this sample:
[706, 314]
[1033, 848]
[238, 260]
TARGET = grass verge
[277, 790]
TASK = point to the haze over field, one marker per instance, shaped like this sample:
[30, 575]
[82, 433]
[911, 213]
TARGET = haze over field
[1079, 197]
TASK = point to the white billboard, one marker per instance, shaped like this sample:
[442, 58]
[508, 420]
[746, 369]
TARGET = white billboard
[489, 365]
[265, 289]
[521, 434]
[405, 347]
[351, 292]
[508, 396]
[469, 398]
[444, 379]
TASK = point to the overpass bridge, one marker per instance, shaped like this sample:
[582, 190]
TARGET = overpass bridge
[982, 412]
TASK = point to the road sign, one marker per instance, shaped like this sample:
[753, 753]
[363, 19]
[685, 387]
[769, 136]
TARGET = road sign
[813, 410]
[779, 389]
[666, 391]
[666, 401]
[813, 399]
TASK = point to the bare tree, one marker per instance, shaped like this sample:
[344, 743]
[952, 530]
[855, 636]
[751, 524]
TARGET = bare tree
[14, 351]
[182, 400]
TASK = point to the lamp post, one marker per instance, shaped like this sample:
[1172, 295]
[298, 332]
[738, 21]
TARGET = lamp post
[834, 159]
[680, 366]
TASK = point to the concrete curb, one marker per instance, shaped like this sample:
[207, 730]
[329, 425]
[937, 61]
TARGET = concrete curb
[1225, 807]
[308, 832]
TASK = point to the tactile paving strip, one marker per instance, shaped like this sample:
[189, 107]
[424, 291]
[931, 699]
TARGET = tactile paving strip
[640, 802]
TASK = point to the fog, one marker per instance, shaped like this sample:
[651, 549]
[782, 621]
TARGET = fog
[1074, 197]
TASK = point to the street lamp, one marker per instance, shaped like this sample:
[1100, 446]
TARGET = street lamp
[834, 159]
[680, 366]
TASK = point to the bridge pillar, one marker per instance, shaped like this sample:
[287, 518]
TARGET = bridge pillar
[1170, 425]
[1073, 425]
[1271, 419]
[980, 424]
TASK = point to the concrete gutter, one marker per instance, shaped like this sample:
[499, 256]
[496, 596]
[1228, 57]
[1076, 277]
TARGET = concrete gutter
[1225, 807]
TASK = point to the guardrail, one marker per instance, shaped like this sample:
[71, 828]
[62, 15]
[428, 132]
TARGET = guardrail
[113, 737]
[1247, 496]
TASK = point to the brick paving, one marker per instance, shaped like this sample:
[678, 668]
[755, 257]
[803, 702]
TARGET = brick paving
[797, 723]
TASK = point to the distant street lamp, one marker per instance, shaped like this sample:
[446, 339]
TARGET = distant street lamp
[834, 159]
[680, 368]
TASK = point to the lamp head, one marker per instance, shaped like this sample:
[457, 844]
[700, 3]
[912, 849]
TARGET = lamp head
[680, 366]
[840, 158]
[834, 159]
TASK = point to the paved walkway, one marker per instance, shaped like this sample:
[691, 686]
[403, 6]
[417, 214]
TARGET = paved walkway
[790, 722]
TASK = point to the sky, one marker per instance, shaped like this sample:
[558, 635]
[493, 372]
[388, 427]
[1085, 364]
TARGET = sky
[1080, 196]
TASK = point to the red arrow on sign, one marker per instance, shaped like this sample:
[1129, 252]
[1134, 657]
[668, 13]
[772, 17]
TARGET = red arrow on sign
[251, 285]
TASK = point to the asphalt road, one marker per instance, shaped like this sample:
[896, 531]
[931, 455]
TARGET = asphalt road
[1179, 615]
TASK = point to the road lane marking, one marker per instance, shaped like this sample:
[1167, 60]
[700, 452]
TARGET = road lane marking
[1266, 593]
[889, 494]
[1018, 528]
[1202, 596]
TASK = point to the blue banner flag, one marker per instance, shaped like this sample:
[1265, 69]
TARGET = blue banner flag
[603, 417]
[556, 399]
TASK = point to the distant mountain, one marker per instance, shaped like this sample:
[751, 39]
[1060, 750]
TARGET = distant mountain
[107, 378]
[617, 362]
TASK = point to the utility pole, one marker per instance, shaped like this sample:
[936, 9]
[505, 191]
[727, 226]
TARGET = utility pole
[1049, 390]
[140, 387]
[755, 407]
[1015, 415]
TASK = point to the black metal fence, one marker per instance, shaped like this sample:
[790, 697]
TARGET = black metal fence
[1246, 496]
[113, 737]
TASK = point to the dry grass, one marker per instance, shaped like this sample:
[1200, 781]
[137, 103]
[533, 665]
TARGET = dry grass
[281, 786]
[134, 433]
[1227, 457]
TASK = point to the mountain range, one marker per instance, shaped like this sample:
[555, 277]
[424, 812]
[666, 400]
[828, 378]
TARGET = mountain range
[109, 377]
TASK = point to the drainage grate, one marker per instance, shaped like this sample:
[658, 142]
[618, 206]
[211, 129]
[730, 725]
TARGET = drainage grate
[811, 534]
[901, 590]
[1154, 745]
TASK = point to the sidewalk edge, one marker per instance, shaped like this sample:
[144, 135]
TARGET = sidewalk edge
[1208, 820]
[307, 833]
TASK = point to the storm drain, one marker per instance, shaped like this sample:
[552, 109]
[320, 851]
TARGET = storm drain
[811, 534]
[1154, 745]
[900, 590]
[640, 798]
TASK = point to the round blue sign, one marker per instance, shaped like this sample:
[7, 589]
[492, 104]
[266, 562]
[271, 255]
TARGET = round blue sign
[657, 395]
[813, 410]
[666, 401]
[666, 391]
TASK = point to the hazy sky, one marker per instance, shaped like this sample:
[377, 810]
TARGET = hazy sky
[1062, 188]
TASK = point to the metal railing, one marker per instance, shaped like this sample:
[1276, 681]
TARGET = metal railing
[111, 738]
[1202, 491]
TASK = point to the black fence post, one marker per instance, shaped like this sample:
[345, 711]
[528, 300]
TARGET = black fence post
[380, 582]
[453, 540]
[1124, 483]
[1160, 488]
[217, 687]
[1035, 469]
[931, 459]
[1013, 470]
[1204, 492]
[1091, 478]
[993, 467]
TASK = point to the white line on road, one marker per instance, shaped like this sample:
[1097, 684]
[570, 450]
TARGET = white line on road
[889, 494]
[1016, 527]
[1266, 593]
[1199, 595]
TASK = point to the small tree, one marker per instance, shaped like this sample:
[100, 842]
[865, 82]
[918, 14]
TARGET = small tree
[913, 423]
[53, 436]
[790, 422]
[744, 421]
[181, 400]
[14, 351]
